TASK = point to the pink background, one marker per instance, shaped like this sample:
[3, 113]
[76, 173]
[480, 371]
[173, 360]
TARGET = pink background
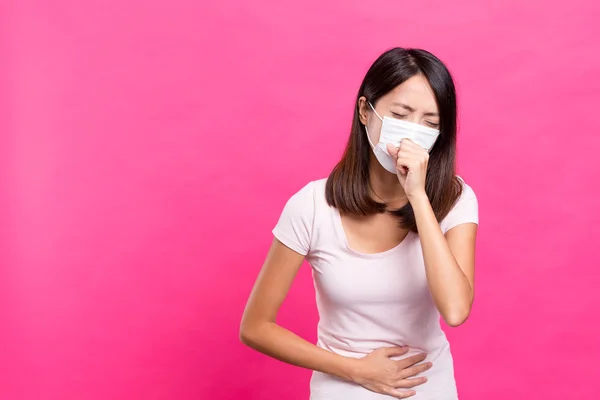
[148, 148]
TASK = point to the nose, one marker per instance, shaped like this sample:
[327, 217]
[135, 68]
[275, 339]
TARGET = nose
[415, 119]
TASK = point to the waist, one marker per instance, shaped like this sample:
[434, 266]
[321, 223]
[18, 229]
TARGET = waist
[359, 344]
[440, 384]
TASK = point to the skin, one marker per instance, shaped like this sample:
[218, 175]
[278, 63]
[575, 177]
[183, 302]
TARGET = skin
[449, 259]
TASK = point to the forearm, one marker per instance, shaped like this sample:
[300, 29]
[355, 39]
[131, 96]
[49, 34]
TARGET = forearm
[449, 286]
[281, 344]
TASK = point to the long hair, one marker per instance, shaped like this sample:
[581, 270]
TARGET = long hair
[349, 186]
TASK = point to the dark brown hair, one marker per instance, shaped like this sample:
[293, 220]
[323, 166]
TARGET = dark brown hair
[349, 186]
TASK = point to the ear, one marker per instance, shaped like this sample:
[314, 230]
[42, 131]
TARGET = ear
[363, 109]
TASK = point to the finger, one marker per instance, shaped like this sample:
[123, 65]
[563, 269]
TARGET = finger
[409, 154]
[392, 150]
[394, 351]
[415, 370]
[401, 394]
[408, 162]
[402, 169]
[411, 383]
[419, 155]
[401, 166]
[410, 143]
[412, 360]
[411, 146]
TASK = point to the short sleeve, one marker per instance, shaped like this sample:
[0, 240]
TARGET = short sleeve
[465, 210]
[294, 228]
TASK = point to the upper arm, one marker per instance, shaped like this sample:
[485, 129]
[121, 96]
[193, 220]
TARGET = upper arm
[461, 240]
[273, 283]
[460, 228]
[292, 242]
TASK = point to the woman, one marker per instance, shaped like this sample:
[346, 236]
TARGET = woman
[390, 236]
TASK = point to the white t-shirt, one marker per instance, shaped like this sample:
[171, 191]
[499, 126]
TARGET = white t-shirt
[369, 301]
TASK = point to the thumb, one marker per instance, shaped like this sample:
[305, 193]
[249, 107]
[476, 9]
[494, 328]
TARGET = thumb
[395, 351]
[392, 150]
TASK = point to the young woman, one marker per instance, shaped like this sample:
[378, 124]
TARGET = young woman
[390, 236]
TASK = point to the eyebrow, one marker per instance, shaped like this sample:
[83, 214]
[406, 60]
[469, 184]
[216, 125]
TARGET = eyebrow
[409, 108]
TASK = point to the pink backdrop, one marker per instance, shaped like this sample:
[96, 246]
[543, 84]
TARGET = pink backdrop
[150, 146]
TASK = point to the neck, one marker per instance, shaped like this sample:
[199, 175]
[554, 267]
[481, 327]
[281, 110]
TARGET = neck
[385, 186]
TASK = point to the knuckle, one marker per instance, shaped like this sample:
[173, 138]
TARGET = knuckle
[400, 378]
[396, 394]
[418, 381]
[401, 384]
[411, 384]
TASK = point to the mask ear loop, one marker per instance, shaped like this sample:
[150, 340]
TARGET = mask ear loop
[373, 108]
[366, 130]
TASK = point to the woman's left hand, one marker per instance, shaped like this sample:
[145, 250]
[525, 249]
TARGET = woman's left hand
[411, 167]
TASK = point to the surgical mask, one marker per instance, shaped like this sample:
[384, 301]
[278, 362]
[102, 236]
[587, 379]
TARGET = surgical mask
[393, 131]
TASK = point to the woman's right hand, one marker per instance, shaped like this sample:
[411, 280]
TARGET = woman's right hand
[378, 373]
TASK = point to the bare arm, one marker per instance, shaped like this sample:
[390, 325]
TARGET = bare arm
[376, 371]
[259, 329]
[449, 262]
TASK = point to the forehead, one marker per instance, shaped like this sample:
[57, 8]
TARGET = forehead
[416, 93]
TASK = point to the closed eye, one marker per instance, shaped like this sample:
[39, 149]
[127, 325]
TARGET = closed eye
[431, 124]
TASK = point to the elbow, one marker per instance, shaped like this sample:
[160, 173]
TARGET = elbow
[455, 321]
[457, 317]
[249, 335]
[246, 336]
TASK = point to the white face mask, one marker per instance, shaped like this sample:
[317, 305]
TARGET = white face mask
[393, 131]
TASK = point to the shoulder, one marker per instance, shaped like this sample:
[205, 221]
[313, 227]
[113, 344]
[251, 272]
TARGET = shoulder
[313, 191]
[464, 210]
[467, 191]
[296, 222]
[307, 198]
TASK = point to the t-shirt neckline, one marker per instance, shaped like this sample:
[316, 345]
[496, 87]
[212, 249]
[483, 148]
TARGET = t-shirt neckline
[344, 239]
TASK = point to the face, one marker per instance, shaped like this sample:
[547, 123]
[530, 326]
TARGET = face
[411, 101]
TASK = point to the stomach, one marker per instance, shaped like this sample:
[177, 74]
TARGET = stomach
[440, 383]
[420, 338]
[346, 340]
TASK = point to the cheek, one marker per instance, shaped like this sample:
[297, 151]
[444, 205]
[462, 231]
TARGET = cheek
[374, 126]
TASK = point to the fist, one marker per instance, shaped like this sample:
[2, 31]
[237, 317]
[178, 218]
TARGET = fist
[411, 166]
